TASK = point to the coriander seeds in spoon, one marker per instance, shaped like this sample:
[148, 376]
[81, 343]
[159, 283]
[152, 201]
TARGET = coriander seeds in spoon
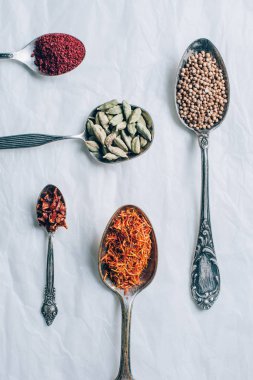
[202, 99]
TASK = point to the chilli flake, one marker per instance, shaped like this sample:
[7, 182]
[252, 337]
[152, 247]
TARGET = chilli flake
[51, 209]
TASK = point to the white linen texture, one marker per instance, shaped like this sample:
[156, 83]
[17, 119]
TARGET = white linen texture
[133, 51]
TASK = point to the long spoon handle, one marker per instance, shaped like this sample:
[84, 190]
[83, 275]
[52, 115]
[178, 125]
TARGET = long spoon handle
[6, 55]
[125, 367]
[49, 308]
[205, 278]
[28, 140]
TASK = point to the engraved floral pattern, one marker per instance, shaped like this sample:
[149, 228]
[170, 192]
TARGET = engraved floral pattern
[203, 141]
[49, 309]
[205, 285]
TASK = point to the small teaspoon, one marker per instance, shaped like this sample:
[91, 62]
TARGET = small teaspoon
[49, 309]
[26, 57]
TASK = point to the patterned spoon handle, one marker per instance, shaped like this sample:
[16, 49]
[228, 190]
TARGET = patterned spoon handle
[205, 277]
[49, 309]
[28, 140]
[6, 55]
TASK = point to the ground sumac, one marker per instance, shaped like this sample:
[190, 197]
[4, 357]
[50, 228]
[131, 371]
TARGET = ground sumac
[57, 53]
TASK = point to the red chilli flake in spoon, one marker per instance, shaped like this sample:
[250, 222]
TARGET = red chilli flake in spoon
[58, 53]
[51, 210]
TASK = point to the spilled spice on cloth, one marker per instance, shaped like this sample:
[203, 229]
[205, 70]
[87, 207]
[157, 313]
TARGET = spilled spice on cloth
[128, 248]
[58, 53]
[51, 209]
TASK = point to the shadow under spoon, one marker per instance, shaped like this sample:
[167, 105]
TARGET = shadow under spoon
[205, 276]
[127, 299]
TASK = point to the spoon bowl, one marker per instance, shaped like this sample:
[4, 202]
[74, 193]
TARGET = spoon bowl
[203, 44]
[26, 56]
[126, 299]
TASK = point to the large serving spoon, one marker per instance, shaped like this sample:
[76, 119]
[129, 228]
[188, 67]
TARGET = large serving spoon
[49, 308]
[26, 57]
[126, 300]
[205, 277]
[30, 140]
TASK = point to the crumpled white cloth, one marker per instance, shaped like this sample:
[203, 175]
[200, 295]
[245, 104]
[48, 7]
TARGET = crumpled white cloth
[133, 50]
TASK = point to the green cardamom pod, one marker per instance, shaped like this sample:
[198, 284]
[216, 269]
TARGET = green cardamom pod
[109, 139]
[103, 118]
[127, 109]
[119, 152]
[127, 139]
[107, 105]
[147, 118]
[110, 157]
[136, 146]
[97, 120]
[143, 142]
[114, 110]
[135, 115]
[131, 129]
[92, 146]
[116, 119]
[120, 143]
[142, 121]
[121, 125]
[89, 125]
[99, 132]
[144, 131]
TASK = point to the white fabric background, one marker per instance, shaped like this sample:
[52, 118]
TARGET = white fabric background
[133, 49]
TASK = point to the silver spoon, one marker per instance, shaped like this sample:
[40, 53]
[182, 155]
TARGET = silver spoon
[205, 277]
[25, 56]
[49, 309]
[30, 140]
[126, 300]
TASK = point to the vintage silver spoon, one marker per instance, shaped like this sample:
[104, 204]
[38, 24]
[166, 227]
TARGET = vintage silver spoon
[126, 300]
[30, 140]
[205, 277]
[26, 57]
[49, 309]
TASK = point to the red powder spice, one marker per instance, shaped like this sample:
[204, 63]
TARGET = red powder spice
[58, 53]
[51, 209]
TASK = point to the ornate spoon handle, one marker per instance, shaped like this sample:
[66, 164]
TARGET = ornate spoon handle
[125, 367]
[205, 278]
[49, 308]
[6, 55]
[28, 140]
